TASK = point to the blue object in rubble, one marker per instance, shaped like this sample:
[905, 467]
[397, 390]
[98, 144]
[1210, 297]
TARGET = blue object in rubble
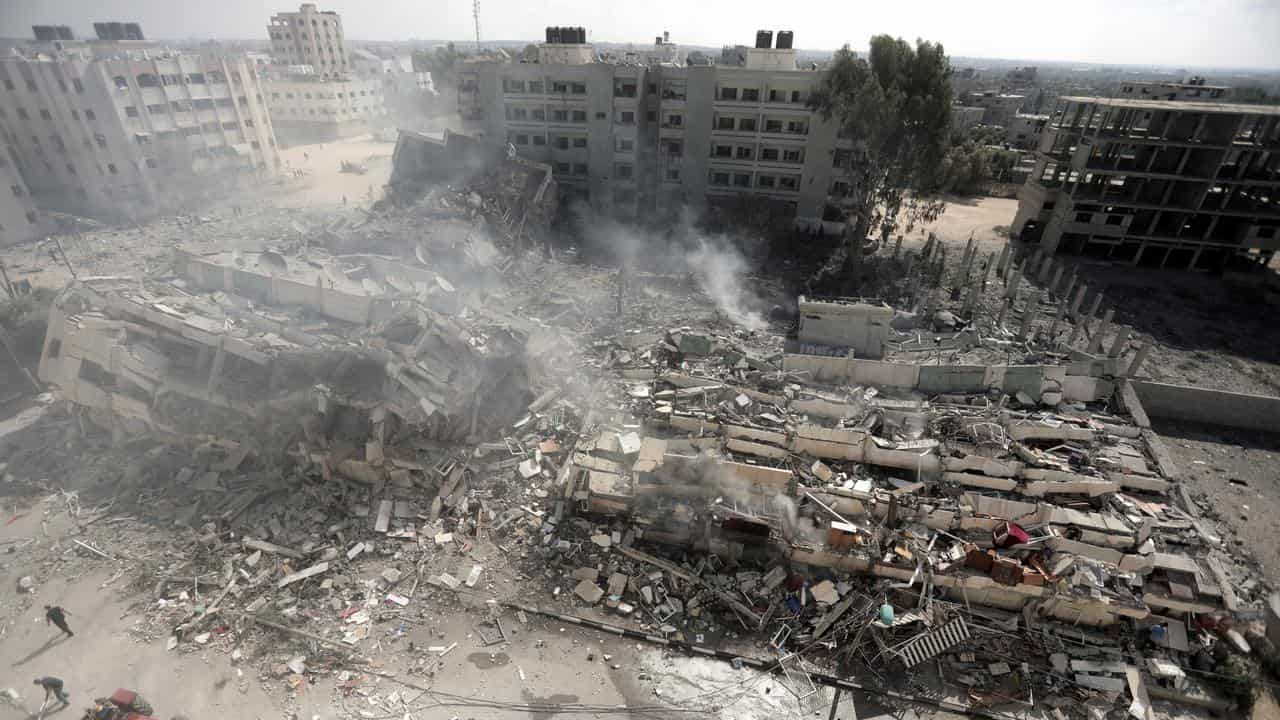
[886, 614]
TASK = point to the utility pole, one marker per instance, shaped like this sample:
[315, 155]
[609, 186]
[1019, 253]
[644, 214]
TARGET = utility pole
[475, 13]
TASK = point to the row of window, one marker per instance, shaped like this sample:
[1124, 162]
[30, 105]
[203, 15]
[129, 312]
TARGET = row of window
[212, 77]
[560, 142]
[537, 87]
[773, 95]
[340, 112]
[720, 178]
[185, 106]
[516, 113]
[794, 155]
[731, 123]
[324, 96]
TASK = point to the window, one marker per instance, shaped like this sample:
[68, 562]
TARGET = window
[79, 86]
[601, 116]
[675, 148]
[230, 126]
[728, 94]
[788, 182]
[579, 142]
[147, 80]
[625, 145]
[623, 171]
[741, 180]
[202, 103]
[750, 95]
[111, 168]
[196, 78]
[722, 151]
[142, 138]
[743, 152]
[121, 82]
[522, 140]
[579, 88]
[650, 115]
[131, 110]
[773, 126]
[724, 123]
[539, 114]
[561, 143]
[673, 174]
[22, 113]
[1084, 217]
[579, 116]
[795, 96]
[155, 109]
[560, 115]
[559, 87]
[792, 156]
[561, 168]
[171, 79]
[1115, 219]
[720, 178]
[765, 181]
[44, 114]
[513, 86]
[539, 140]
[101, 140]
[628, 117]
[178, 106]
[798, 127]
[516, 113]
[652, 88]
[224, 102]
[625, 90]
[747, 124]
[675, 120]
[152, 163]
[535, 87]
[580, 169]
[244, 101]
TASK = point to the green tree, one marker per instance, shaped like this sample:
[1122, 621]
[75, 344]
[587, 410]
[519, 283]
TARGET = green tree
[895, 105]
[1254, 95]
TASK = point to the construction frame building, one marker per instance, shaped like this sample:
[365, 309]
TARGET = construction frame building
[1156, 183]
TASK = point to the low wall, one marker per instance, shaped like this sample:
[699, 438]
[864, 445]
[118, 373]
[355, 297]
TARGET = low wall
[1214, 407]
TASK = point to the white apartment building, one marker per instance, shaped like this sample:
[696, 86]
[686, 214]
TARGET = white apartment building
[1193, 89]
[310, 37]
[124, 132]
[310, 110]
[406, 93]
[998, 108]
[643, 140]
[1024, 130]
[19, 219]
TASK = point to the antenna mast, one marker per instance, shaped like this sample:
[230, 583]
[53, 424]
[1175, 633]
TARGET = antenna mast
[475, 12]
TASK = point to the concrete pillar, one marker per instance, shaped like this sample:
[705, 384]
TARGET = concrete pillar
[987, 268]
[911, 263]
[1011, 287]
[1117, 346]
[971, 300]
[1075, 304]
[1140, 357]
[1028, 312]
[1004, 310]
[1057, 278]
[1003, 262]
[930, 304]
[1095, 343]
[1075, 332]
[1036, 257]
[1070, 285]
[1057, 318]
[1093, 309]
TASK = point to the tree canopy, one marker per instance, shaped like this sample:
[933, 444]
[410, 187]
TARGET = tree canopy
[895, 107]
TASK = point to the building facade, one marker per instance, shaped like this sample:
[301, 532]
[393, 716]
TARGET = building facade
[639, 140]
[310, 37]
[309, 110]
[998, 108]
[1024, 130]
[1194, 89]
[123, 133]
[20, 221]
[1157, 183]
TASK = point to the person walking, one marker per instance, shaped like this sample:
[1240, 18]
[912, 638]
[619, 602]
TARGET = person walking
[56, 615]
[53, 686]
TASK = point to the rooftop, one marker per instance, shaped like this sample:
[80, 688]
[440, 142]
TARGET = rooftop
[1183, 105]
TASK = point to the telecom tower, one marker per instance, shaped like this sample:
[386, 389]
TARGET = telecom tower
[475, 13]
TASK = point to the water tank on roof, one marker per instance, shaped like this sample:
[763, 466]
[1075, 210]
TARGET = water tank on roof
[764, 39]
[553, 35]
[582, 35]
[785, 39]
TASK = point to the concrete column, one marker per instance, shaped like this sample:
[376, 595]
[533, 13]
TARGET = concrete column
[1036, 257]
[1003, 262]
[1011, 287]
[1028, 312]
[1057, 318]
[1057, 278]
[987, 268]
[1075, 332]
[1093, 309]
[1070, 285]
[911, 263]
[1004, 310]
[1138, 358]
[1095, 343]
[1075, 304]
[1042, 273]
[1117, 346]
[971, 300]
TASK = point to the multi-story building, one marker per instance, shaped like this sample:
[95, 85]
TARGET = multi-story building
[19, 219]
[406, 93]
[1159, 183]
[639, 140]
[124, 130]
[998, 108]
[1193, 89]
[305, 109]
[310, 37]
[966, 117]
[1024, 130]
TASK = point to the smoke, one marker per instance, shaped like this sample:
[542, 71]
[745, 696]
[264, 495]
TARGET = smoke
[714, 262]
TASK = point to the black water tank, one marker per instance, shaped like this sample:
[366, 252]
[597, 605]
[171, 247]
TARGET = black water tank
[45, 33]
[764, 38]
[785, 39]
[133, 31]
[582, 36]
[551, 33]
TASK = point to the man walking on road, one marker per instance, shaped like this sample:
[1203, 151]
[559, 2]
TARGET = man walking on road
[56, 615]
[53, 686]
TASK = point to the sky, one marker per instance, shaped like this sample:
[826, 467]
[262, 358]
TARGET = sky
[1179, 33]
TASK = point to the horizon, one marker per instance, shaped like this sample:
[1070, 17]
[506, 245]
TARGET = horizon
[1224, 34]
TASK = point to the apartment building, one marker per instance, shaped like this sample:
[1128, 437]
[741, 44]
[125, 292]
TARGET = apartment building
[1158, 183]
[641, 140]
[310, 37]
[305, 109]
[20, 221]
[1024, 130]
[123, 131]
[998, 108]
[1193, 89]
[965, 117]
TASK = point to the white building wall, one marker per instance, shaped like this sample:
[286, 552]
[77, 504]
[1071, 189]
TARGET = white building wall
[314, 111]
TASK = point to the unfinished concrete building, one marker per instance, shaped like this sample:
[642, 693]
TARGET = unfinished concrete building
[1156, 183]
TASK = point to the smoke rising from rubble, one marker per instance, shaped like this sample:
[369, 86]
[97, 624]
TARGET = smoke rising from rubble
[713, 261]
